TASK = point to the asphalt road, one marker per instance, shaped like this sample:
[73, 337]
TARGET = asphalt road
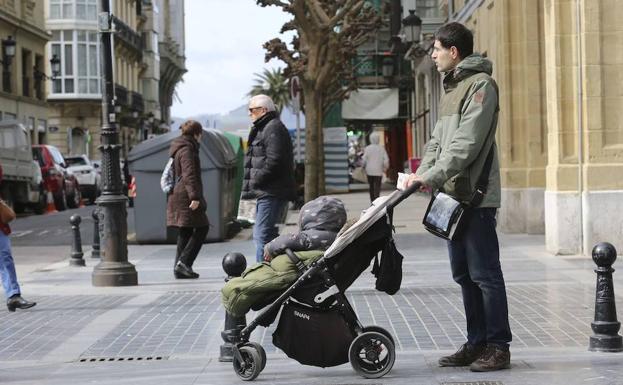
[54, 229]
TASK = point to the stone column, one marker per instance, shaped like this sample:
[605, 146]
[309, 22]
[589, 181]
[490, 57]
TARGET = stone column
[585, 173]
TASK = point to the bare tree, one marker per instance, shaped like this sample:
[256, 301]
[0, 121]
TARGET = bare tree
[328, 33]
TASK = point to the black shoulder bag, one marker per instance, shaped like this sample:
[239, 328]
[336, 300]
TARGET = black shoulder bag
[446, 216]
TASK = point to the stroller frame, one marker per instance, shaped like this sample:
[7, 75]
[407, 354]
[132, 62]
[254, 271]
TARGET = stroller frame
[372, 352]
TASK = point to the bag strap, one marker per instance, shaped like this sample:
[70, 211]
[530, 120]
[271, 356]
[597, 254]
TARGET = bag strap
[483, 181]
[300, 266]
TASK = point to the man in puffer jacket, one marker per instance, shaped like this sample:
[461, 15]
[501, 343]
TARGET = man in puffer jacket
[319, 222]
[268, 170]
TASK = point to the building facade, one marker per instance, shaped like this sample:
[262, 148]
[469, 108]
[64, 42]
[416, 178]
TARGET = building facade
[75, 95]
[171, 47]
[560, 133]
[22, 84]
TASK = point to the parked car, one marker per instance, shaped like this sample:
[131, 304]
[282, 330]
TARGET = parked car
[21, 184]
[87, 175]
[63, 185]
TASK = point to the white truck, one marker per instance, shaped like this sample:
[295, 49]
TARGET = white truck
[21, 183]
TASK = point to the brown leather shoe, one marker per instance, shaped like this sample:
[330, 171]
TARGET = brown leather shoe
[493, 358]
[464, 356]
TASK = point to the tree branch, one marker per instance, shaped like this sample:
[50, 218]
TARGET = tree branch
[278, 3]
[317, 11]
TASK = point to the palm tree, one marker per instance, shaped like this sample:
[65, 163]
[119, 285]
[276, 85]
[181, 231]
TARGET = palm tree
[272, 83]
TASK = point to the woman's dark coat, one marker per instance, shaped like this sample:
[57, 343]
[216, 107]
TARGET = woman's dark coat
[188, 187]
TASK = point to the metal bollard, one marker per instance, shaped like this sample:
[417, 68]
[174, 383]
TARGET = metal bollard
[76, 247]
[605, 327]
[233, 264]
[95, 252]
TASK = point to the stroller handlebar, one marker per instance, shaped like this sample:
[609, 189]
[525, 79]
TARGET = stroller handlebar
[397, 198]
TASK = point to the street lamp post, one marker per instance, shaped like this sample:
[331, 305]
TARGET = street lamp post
[114, 268]
[412, 27]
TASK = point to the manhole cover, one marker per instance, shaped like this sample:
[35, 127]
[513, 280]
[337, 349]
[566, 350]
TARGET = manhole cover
[117, 359]
[474, 383]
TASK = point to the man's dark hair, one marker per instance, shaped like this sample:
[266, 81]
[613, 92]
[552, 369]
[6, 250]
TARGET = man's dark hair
[457, 35]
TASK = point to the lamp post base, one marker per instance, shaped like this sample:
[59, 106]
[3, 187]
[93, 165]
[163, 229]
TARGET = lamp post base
[605, 343]
[114, 274]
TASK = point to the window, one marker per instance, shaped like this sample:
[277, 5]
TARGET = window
[79, 54]
[73, 9]
[8, 137]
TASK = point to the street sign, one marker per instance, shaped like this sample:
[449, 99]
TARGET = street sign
[295, 93]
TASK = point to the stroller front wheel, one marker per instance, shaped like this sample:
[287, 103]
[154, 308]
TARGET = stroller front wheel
[372, 354]
[251, 365]
[260, 349]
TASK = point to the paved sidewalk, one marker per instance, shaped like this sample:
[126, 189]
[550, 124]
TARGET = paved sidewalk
[167, 331]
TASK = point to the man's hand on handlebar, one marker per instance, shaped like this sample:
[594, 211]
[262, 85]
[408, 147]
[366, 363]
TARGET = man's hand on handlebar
[416, 178]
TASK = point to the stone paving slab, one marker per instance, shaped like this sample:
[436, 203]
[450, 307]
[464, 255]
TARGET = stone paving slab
[188, 323]
[546, 366]
[30, 335]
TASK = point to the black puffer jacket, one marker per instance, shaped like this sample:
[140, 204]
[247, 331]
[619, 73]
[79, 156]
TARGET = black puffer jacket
[269, 163]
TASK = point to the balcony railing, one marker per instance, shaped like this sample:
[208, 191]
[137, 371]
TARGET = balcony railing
[121, 93]
[127, 35]
[137, 102]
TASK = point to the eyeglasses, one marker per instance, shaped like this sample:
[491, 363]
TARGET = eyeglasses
[254, 108]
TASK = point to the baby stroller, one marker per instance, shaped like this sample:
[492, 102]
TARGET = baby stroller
[317, 325]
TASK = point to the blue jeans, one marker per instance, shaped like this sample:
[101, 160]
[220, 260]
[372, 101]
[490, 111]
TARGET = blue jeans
[7, 267]
[269, 210]
[475, 263]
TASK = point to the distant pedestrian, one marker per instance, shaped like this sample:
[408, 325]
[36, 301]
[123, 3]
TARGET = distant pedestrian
[375, 163]
[186, 206]
[455, 157]
[268, 171]
[7, 265]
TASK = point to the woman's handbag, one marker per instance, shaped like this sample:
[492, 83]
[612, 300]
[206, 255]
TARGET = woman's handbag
[445, 216]
[6, 213]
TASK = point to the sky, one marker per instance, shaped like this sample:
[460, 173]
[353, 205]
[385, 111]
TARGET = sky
[223, 51]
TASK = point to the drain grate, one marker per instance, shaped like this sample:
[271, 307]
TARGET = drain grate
[474, 383]
[117, 359]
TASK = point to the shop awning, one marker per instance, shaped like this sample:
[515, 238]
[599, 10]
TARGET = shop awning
[365, 104]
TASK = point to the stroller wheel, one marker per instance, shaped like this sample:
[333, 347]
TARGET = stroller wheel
[260, 350]
[378, 329]
[251, 364]
[372, 354]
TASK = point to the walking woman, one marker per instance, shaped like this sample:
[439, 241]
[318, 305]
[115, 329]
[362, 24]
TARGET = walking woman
[186, 206]
[375, 163]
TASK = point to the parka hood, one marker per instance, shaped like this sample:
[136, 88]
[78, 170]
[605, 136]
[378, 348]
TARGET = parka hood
[180, 142]
[474, 63]
[322, 213]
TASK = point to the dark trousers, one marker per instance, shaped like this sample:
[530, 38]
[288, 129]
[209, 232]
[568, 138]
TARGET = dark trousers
[375, 186]
[269, 211]
[475, 263]
[189, 242]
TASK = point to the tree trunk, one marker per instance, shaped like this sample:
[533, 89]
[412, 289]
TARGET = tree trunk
[321, 172]
[312, 136]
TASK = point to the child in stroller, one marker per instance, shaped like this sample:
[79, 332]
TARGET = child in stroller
[319, 222]
[317, 325]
